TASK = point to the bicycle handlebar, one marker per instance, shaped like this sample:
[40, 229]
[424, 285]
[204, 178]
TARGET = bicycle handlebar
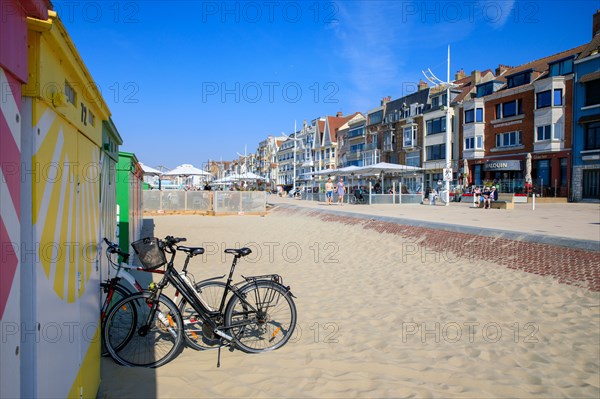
[114, 249]
[170, 240]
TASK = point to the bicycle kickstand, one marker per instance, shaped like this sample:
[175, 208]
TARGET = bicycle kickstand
[219, 357]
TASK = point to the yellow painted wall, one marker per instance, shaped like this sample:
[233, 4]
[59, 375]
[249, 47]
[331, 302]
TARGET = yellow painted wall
[66, 210]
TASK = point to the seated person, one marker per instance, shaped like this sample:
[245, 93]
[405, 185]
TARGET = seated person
[485, 197]
[493, 194]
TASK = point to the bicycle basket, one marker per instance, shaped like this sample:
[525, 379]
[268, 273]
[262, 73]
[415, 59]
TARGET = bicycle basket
[149, 252]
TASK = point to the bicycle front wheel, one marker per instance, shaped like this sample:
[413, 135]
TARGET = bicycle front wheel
[155, 339]
[198, 336]
[262, 317]
[119, 292]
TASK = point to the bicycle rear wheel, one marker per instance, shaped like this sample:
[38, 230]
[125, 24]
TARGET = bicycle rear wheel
[263, 319]
[155, 341]
[196, 335]
[118, 294]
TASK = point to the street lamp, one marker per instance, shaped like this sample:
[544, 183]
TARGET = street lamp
[447, 84]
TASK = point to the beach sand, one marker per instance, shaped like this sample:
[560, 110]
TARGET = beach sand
[379, 315]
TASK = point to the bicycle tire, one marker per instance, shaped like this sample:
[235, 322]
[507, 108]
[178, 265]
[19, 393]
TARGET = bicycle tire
[270, 325]
[119, 293]
[151, 345]
[195, 337]
[352, 199]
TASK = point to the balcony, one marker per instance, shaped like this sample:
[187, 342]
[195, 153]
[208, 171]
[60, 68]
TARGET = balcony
[549, 146]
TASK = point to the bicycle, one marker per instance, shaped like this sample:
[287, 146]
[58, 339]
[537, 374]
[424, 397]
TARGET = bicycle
[112, 287]
[259, 316]
[357, 198]
[207, 290]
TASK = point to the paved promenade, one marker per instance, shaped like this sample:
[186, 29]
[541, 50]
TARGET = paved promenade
[571, 224]
[557, 240]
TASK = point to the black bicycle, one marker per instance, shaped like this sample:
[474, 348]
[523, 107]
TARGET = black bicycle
[256, 315]
[358, 197]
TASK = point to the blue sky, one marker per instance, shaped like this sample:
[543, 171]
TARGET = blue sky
[189, 81]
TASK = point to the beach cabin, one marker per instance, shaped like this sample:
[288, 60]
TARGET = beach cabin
[130, 180]
[57, 148]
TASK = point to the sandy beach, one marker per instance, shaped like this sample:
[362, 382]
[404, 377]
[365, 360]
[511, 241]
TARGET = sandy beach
[383, 314]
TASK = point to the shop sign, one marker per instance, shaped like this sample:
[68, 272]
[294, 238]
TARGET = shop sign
[492, 166]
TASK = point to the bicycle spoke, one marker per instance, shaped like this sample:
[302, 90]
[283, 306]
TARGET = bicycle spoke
[263, 321]
[154, 341]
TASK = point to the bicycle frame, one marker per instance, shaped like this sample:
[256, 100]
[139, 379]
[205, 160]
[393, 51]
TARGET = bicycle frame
[189, 293]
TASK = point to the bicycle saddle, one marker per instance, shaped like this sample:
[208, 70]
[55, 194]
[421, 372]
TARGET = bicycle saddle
[238, 251]
[193, 251]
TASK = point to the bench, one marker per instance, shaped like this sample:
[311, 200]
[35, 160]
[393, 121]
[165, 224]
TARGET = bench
[505, 201]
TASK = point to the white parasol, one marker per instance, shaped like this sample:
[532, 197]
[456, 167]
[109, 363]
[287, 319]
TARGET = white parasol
[528, 179]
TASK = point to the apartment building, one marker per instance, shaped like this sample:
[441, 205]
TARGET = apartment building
[326, 142]
[586, 119]
[523, 109]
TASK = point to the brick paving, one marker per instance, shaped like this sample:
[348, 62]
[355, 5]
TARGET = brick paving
[573, 266]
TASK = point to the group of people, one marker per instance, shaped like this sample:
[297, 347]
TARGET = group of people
[330, 188]
[487, 196]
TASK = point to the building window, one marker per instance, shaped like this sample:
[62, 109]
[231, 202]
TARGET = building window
[437, 125]
[91, 118]
[592, 136]
[375, 117]
[413, 158]
[561, 67]
[470, 143]
[356, 132]
[542, 99]
[478, 114]
[518, 80]
[558, 97]
[470, 116]
[435, 102]
[70, 93]
[558, 131]
[508, 109]
[434, 152]
[409, 136]
[509, 139]
[592, 92]
[485, 89]
[473, 143]
[543, 133]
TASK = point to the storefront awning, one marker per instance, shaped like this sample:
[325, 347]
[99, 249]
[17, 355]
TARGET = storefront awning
[589, 119]
[589, 77]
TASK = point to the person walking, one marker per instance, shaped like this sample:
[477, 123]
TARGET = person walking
[341, 190]
[329, 191]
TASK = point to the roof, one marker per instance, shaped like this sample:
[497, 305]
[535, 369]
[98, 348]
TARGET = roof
[541, 65]
[420, 97]
[467, 84]
[593, 45]
[335, 122]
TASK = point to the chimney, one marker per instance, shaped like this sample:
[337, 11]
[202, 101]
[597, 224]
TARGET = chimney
[502, 69]
[386, 100]
[422, 85]
[596, 23]
[460, 75]
[339, 114]
[476, 76]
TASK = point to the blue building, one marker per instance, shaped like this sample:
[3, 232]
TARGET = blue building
[586, 120]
